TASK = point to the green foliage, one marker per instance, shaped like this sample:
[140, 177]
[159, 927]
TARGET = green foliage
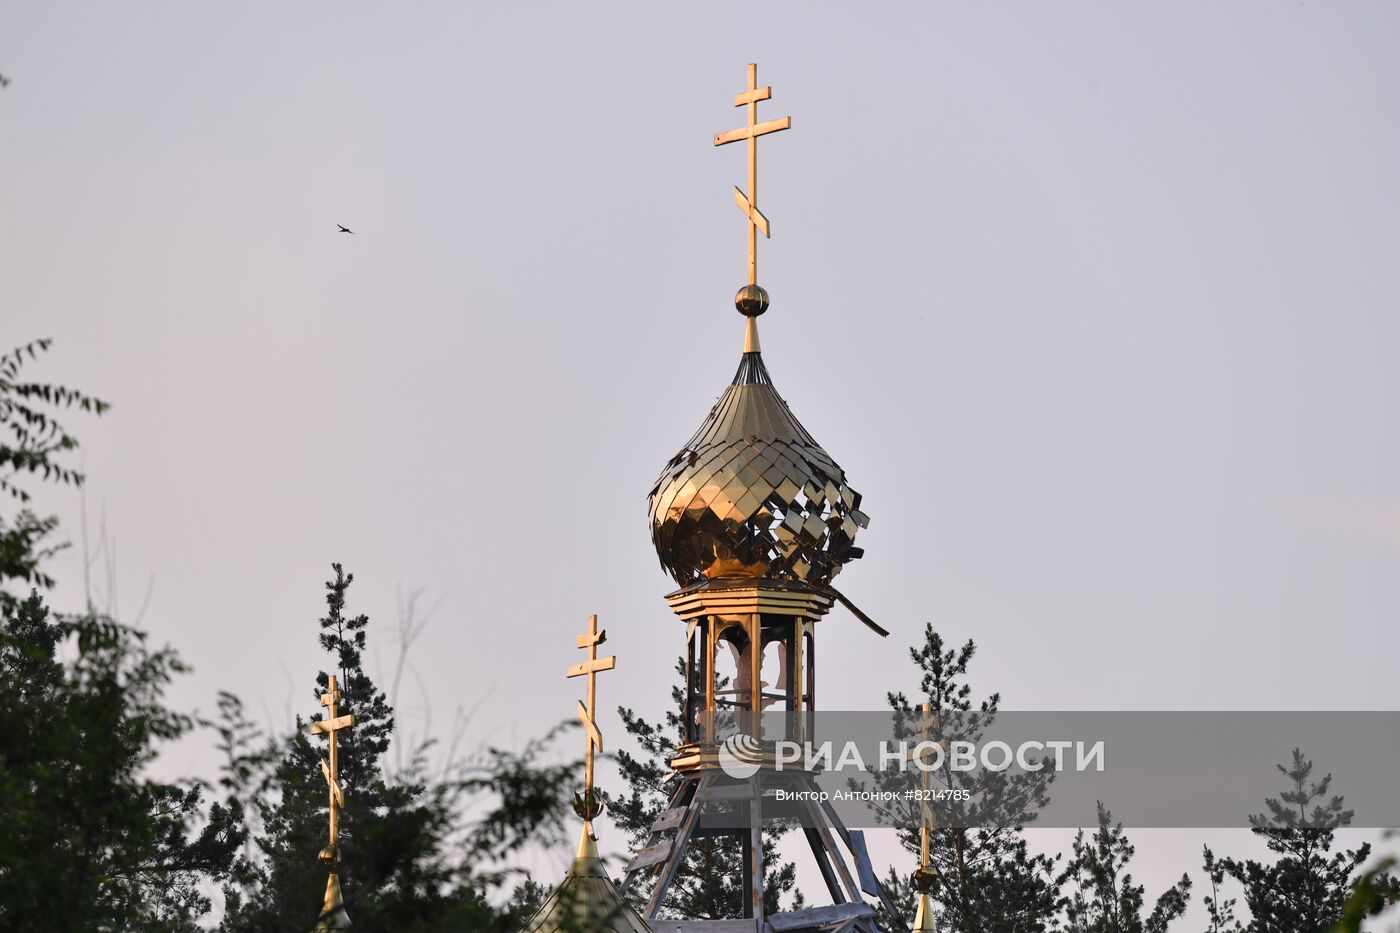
[1103, 898]
[985, 877]
[1368, 897]
[408, 863]
[32, 442]
[87, 843]
[1220, 909]
[1308, 888]
[708, 885]
[900, 888]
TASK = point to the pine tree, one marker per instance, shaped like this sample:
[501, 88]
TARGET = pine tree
[1220, 909]
[1369, 896]
[406, 864]
[707, 886]
[1103, 898]
[1305, 889]
[985, 876]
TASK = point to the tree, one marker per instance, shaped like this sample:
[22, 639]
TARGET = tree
[1103, 897]
[985, 878]
[87, 843]
[32, 443]
[1220, 909]
[406, 866]
[707, 886]
[1368, 897]
[1305, 890]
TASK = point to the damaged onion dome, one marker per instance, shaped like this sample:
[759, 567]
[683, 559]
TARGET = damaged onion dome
[753, 494]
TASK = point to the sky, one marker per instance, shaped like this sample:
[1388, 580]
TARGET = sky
[1095, 303]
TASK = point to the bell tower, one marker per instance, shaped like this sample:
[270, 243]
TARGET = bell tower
[753, 519]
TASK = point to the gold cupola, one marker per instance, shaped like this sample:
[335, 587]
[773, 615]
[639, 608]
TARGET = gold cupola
[752, 493]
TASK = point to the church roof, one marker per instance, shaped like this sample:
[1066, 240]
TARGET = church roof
[586, 900]
[752, 493]
[333, 915]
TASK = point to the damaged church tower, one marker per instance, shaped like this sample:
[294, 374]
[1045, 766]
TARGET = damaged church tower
[753, 519]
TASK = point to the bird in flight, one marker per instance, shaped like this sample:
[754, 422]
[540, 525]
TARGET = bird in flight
[344, 229]
[4, 81]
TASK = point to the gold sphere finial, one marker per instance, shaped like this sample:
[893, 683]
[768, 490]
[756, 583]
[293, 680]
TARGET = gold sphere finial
[751, 300]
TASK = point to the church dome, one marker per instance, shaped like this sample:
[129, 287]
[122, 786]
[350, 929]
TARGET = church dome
[753, 494]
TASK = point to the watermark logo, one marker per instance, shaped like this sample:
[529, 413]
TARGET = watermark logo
[740, 756]
[957, 755]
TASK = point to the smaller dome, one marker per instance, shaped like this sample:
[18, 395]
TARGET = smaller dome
[754, 494]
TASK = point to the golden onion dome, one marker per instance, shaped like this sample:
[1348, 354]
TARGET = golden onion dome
[753, 493]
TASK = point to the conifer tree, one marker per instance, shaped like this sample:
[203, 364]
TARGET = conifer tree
[1219, 908]
[985, 876]
[408, 864]
[1369, 896]
[1305, 889]
[1103, 898]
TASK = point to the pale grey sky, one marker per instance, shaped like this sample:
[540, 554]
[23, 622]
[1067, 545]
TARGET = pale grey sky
[1095, 303]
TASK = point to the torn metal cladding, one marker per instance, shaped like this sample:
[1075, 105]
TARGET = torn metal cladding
[752, 493]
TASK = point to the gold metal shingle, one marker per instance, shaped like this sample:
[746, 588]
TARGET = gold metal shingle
[752, 489]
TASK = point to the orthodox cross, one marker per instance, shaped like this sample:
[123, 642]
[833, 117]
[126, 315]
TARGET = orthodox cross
[748, 203]
[928, 821]
[590, 639]
[330, 726]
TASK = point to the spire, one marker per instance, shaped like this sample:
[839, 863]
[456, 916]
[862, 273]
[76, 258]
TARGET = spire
[924, 876]
[587, 805]
[587, 899]
[752, 300]
[923, 916]
[333, 915]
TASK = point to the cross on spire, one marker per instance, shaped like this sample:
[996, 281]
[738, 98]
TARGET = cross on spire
[329, 726]
[926, 724]
[748, 203]
[586, 805]
[928, 822]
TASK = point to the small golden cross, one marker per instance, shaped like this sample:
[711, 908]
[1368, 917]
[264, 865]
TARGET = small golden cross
[329, 727]
[587, 714]
[924, 878]
[749, 203]
[926, 724]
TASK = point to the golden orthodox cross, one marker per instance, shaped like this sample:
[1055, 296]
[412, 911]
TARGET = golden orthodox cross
[591, 639]
[329, 727]
[748, 203]
[928, 821]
